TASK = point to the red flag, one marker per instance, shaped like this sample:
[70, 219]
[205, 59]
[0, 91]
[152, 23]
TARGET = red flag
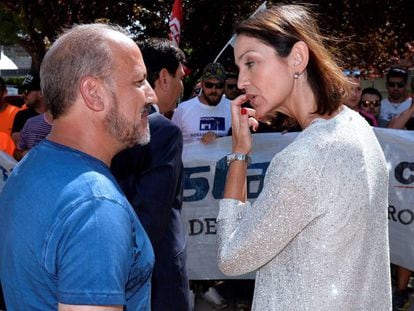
[176, 21]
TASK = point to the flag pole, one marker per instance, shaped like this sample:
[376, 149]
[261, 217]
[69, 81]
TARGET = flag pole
[222, 50]
[260, 8]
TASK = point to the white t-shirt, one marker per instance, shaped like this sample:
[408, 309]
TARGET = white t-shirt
[390, 110]
[196, 119]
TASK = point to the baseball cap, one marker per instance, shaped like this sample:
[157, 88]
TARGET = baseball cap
[31, 82]
[398, 72]
[214, 71]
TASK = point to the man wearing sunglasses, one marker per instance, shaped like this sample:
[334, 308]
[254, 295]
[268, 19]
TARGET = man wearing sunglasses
[398, 99]
[231, 91]
[370, 104]
[207, 116]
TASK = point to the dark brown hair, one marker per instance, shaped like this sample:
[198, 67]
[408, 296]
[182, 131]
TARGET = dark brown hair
[280, 27]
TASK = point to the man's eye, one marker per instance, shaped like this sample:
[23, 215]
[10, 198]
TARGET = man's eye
[140, 83]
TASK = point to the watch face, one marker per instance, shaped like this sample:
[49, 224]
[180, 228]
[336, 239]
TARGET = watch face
[240, 157]
[237, 156]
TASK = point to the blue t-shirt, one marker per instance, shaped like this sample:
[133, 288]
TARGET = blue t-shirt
[69, 235]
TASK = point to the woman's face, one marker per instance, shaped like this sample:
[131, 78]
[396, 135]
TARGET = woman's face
[266, 77]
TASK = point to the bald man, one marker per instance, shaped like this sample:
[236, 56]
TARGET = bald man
[69, 239]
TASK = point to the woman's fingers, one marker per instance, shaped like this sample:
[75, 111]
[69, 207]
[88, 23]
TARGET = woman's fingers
[253, 123]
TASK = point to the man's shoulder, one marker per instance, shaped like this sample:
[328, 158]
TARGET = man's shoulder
[224, 102]
[10, 109]
[159, 121]
[13, 109]
[163, 129]
[408, 101]
[35, 124]
[385, 101]
[190, 103]
[36, 119]
[27, 111]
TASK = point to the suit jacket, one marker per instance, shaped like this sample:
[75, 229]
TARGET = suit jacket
[151, 177]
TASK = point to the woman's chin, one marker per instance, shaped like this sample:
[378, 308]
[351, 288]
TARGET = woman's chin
[264, 116]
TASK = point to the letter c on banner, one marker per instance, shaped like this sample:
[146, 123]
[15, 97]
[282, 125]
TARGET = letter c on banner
[399, 172]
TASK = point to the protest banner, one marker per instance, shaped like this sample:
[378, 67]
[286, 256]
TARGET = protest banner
[205, 174]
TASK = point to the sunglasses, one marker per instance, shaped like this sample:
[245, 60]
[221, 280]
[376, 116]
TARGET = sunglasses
[231, 86]
[210, 85]
[368, 103]
[353, 73]
[400, 85]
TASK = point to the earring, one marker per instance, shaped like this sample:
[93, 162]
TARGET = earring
[296, 75]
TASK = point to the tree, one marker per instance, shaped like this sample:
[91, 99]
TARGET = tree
[372, 33]
[34, 24]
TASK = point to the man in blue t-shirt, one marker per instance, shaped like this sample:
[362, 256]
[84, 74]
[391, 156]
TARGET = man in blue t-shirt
[68, 236]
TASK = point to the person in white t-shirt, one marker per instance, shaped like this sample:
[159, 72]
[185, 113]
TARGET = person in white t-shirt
[207, 116]
[398, 99]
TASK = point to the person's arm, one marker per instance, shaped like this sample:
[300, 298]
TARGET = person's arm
[208, 137]
[18, 124]
[401, 120]
[16, 137]
[249, 236]
[19, 154]
[21, 147]
[235, 187]
[90, 251]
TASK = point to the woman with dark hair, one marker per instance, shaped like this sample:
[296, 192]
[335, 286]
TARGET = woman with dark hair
[318, 232]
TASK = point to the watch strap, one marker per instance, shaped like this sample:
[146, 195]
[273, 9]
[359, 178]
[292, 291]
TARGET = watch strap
[238, 157]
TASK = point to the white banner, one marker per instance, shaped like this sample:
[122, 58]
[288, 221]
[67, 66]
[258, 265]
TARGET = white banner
[205, 175]
[398, 146]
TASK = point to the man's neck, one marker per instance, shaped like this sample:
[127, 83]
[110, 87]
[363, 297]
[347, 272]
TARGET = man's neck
[77, 137]
[202, 100]
[397, 102]
[40, 109]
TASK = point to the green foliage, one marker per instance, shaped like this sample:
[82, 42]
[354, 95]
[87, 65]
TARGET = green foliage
[14, 81]
[372, 33]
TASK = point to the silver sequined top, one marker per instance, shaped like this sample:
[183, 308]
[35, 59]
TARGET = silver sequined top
[318, 232]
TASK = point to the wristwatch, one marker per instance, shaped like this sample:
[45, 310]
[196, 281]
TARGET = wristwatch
[238, 157]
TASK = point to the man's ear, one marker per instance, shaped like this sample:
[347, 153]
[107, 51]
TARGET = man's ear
[92, 93]
[299, 56]
[164, 79]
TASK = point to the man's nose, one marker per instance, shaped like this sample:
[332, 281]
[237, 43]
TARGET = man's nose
[150, 95]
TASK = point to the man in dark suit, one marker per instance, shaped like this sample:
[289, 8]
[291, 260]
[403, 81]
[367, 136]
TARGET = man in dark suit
[152, 178]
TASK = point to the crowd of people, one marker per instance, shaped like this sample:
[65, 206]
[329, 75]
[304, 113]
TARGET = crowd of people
[394, 111]
[91, 215]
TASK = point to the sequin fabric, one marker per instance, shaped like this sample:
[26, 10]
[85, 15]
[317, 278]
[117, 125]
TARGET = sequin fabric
[318, 232]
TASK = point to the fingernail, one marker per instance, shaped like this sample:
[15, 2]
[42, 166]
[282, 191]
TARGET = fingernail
[243, 111]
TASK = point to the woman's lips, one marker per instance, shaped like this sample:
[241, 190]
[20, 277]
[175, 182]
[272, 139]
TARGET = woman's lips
[251, 98]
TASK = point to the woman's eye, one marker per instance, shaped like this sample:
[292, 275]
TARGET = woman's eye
[249, 64]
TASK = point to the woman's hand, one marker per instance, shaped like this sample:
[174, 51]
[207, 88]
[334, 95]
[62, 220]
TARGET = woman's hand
[242, 119]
